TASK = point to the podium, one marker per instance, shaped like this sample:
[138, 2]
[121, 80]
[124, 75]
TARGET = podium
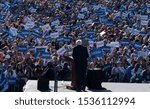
[94, 78]
[73, 72]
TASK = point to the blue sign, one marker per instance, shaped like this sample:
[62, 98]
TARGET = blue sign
[137, 45]
[106, 49]
[32, 49]
[22, 48]
[59, 39]
[96, 21]
[40, 49]
[66, 39]
[68, 28]
[2, 18]
[104, 20]
[96, 53]
[90, 32]
[109, 24]
[125, 42]
[46, 55]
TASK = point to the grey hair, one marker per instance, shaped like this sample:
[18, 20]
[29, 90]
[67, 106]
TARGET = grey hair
[79, 42]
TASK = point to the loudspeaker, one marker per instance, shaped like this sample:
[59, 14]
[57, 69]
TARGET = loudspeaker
[43, 84]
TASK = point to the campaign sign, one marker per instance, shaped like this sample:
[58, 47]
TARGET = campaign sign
[96, 21]
[144, 23]
[90, 43]
[100, 43]
[135, 32]
[143, 33]
[24, 32]
[54, 23]
[84, 9]
[32, 49]
[96, 53]
[106, 49]
[60, 39]
[81, 16]
[125, 14]
[35, 34]
[142, 54]
[144, 17]
[67, 39]
[88, 21]
[90, 32]
[2, 18]
[59, 28]
[117, 14]
[103, 20]
[125, 42]
[68, 28]
[109, 24]
[137, 45]
[54, 35]
[61, 51]
[22, 48]
[45, 55]
[40, 49]
[114, 44]
[95, 7]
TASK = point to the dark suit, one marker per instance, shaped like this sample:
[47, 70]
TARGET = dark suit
[80, 55]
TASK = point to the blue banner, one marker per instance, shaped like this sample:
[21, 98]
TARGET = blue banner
[96, 53]
[22, 48]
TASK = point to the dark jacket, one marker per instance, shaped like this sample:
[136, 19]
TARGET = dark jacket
[80, 55]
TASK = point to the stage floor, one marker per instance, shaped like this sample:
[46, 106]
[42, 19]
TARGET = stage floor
[31, 86]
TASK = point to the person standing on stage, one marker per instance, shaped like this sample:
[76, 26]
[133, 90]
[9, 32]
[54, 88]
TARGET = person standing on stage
[80, 55]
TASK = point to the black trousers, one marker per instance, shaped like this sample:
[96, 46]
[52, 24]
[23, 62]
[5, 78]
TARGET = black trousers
[81, 77]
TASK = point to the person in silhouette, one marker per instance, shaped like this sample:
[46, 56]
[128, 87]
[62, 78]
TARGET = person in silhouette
[80, 55]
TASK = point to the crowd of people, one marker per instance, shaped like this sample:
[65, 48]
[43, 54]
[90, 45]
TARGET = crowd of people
[36, 32]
